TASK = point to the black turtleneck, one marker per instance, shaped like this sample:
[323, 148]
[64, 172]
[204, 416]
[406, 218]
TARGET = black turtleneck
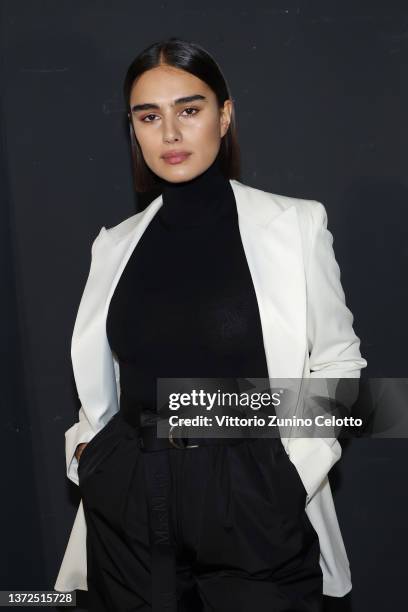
[205, 200]
[185, 304]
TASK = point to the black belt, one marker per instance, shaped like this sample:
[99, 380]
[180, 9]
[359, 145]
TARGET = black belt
[158, 486]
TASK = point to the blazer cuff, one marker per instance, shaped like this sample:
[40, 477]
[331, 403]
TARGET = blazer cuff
[313, 459]
[74, 436]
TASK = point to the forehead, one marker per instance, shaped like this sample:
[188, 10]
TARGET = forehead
[163, 84]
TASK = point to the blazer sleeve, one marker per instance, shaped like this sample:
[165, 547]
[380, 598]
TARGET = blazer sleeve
[81, 431]
[333, 345]
[334, 354]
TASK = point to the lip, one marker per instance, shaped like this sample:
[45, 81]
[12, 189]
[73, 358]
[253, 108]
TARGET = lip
[175, 157]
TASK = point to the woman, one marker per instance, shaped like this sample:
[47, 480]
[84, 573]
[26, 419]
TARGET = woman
[227, 281]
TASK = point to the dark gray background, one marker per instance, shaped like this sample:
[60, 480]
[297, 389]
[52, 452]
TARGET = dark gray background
[321, 97]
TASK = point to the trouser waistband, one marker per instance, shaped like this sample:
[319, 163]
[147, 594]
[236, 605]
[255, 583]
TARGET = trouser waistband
[146, 423]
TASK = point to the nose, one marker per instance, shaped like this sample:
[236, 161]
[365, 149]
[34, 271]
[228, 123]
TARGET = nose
[171, 131]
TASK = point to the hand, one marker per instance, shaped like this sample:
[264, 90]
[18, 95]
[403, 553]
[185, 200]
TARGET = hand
[79, 450]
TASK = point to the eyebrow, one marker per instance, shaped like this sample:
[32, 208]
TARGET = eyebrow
[183, 100]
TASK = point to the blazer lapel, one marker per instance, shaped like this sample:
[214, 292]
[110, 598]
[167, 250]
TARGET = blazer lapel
[272, 244]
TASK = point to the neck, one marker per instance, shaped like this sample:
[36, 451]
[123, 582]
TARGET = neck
[203, 200]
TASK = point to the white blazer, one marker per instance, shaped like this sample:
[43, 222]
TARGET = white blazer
[307, 332]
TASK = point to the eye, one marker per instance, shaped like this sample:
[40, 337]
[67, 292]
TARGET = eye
[146, 116]
[190, 108]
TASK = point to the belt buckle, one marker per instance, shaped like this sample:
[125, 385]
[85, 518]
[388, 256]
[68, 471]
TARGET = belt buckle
[174, 443]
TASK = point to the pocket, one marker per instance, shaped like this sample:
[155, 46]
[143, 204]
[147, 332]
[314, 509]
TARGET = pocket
[297, 501]
[293, 474]
[95, 442]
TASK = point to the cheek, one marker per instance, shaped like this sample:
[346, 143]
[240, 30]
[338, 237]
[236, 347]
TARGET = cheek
[148, 143]
[142, 137]
[206, 139]
[209, 129]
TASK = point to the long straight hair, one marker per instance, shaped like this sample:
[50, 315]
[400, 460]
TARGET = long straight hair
[194, 59]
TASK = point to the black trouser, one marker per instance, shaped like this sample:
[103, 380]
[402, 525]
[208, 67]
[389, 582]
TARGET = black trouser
[243, 541]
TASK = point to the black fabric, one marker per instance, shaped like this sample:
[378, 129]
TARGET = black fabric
[242, 540]
[185, 304]
[239, 537]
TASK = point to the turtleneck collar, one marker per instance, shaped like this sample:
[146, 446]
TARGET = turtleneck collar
[204, 200]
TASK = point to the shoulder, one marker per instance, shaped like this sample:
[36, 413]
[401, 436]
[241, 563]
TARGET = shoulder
[267, 206]
[310, 212]
[261, 204]
[281, 200]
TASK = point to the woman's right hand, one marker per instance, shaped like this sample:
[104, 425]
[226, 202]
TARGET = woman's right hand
[79, 450]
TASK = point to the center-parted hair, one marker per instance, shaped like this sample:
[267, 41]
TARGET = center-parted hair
[194, 59]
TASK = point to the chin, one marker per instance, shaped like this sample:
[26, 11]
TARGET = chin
[178, 177]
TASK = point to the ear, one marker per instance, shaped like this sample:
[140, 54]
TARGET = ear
[225, 116]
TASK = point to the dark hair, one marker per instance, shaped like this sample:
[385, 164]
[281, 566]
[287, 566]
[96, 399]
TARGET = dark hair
[192, 58]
